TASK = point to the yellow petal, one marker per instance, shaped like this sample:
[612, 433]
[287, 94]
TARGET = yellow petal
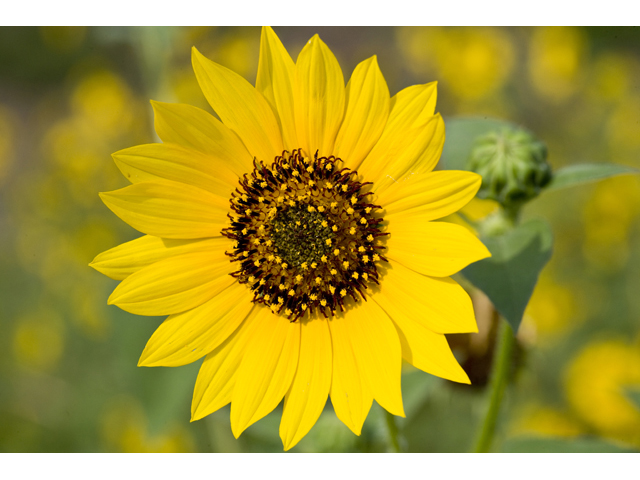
[169, 209]
[217, 375]
[367, 98]
[416, 149]
[307, 397]
[411, 110]
[193, 128]
[267, 369]
[185, 337]
[240, 106]
[168, 161]
[427, 350]
[438, 249]
[121, 261]
[319, 98]
[430, 195]
[350, 393]
[176, 284]
[378, 353]
[439, 304]
[276, 82]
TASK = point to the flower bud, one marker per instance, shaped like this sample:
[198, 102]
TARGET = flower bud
[512, 164]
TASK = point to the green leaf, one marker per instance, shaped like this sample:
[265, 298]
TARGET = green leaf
[461, 134]
[585, 173]
[509, 276]
[531, 444]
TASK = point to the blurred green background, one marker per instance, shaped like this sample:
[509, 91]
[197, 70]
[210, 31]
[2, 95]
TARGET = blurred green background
[71, 96]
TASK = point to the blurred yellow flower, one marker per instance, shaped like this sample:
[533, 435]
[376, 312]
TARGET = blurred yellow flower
[38, 339]
[546, 421]
[124, 429]
[608, 216]
[595, 383]
[279, 312]
[473, 62]
[553, 308]
[556, 61]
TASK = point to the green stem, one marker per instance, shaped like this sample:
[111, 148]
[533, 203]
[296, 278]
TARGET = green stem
[499, 379]
[394, 435]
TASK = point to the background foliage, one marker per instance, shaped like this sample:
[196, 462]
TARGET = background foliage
[70, 96]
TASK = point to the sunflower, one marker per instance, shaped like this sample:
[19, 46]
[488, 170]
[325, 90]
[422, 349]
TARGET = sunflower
[292, 243]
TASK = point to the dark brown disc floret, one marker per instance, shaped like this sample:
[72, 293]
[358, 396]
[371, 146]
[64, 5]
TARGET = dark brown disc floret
[305, 235]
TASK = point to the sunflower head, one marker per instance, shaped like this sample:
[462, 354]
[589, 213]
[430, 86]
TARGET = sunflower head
[293, 244]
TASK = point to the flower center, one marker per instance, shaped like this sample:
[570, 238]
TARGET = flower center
[305, 236]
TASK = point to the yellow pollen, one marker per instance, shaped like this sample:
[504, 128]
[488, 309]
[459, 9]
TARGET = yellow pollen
[367, 210]
[304, 306]
[370, 238]
[324, 222]
[363, 220]
[292, 203]
[287, 311]
[298, 278]
[334, 228]
[350, 210]
[244, 231]
[329, 166]
[257, 263]
[365, 258]
[292, 292]
[355, 275]
[328, 241]
[263, 184]
[334, 204]
[262, 281]
[354, 199]
[281, 286]
[362, 249]
[252, 278]
[284, 266]
[304, 265]
[336, 252]
[318, 280]
[324, 258]
[333, 271]
[321, 209]
[323, 302]
[313, 297]
[245, 254]
[311, 182]
[267, 297]
[345, 264]
[314, 265]
[352, 230]
[280, 300]
[343, 292]
[332, 289]
[365, 275]
[376, 257]
[345, 188]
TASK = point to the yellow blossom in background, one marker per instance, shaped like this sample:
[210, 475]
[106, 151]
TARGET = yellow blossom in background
[556, 61]
[608, 217]
[472, 62]
[38, 339]
[595, 383]
[278, 311]
[553, 308]
[546, 421]
[124, 428]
